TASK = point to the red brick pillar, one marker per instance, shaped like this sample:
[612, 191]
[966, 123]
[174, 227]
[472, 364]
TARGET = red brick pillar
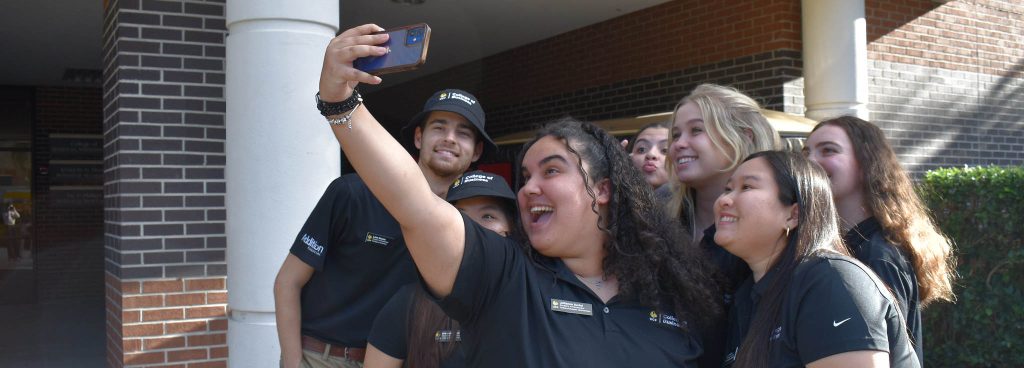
[181, 322]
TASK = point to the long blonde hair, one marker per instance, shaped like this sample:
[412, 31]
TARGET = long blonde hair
[889, 196]
[736, 127]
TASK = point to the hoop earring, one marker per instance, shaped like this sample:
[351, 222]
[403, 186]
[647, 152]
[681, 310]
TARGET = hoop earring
[787, 231]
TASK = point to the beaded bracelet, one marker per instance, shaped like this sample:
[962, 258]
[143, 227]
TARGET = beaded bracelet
[329, 109]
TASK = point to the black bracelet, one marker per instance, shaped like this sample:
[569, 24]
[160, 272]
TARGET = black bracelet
[335, 108]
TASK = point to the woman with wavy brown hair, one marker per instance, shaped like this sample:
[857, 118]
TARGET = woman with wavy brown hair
[887, 225]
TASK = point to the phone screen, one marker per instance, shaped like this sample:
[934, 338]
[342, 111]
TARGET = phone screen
[407, 49]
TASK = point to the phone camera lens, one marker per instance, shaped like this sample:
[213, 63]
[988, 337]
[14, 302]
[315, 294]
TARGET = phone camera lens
[413, 36]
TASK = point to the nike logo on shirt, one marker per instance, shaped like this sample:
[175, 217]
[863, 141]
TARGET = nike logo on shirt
[836, 324]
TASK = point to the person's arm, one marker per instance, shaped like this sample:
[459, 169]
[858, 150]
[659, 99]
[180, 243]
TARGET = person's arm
[432, 228]
[378, 359]
[853, 359]
[288, 285]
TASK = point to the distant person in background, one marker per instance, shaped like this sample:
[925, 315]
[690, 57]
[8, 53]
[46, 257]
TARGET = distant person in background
[647, 149]
[11, 217]
[887, 225]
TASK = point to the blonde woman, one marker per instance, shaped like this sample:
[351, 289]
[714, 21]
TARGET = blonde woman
[713, 129]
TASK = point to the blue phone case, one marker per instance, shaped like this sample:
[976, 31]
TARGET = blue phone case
[407, 49]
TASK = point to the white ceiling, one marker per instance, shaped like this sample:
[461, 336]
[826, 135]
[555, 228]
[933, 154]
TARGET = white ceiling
[39, 39]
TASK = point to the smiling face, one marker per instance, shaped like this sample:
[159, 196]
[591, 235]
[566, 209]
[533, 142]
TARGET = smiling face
[486, 211]
[698, 163]
[830, 147]
[554, 205]
[749, 217]
[447, 143]
[648, 155]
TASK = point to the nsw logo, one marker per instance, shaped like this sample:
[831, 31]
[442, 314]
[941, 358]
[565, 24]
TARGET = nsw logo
[312, 245]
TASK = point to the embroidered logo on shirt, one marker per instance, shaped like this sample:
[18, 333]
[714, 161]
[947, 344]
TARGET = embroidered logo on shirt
[377, 239]
[312, 245]
[665, 319]
[836, 324]
[447, 336]
[565, 306]
[776, 334]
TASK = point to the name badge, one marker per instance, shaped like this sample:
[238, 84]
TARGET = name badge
[565, 306]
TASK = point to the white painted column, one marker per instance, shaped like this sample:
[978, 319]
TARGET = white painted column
[280, 155]
[835, 58]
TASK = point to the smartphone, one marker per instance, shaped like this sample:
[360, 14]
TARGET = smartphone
[407, 50]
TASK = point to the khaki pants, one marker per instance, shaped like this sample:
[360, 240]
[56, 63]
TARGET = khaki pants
[313, 359]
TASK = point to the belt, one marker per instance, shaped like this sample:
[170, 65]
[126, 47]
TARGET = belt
[353, 354]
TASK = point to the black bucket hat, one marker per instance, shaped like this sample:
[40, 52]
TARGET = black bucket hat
[451, 100]
[481, 183]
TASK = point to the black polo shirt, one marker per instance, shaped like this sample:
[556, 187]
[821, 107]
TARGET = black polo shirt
[833, 305]
[390, 329]
[521, 313]
[360, 259]
[867, 242]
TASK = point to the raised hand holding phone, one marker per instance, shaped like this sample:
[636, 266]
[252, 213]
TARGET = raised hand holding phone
[338, 77]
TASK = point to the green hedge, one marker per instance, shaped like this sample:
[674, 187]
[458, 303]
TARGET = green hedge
[982, 210]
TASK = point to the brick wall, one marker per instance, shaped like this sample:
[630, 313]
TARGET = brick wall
[639, 63]
[947, 81]
[945, 78]
[68, 237]
[175, 321]
[164, 182]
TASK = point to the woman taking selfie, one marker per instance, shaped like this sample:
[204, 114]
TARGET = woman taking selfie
[807, 303]
[887, 225]
[713, 129]
[606, 282]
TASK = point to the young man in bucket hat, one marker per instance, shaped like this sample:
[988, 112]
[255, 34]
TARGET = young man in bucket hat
[349, 257]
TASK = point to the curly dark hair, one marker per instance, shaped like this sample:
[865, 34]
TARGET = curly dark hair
[647, 252]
